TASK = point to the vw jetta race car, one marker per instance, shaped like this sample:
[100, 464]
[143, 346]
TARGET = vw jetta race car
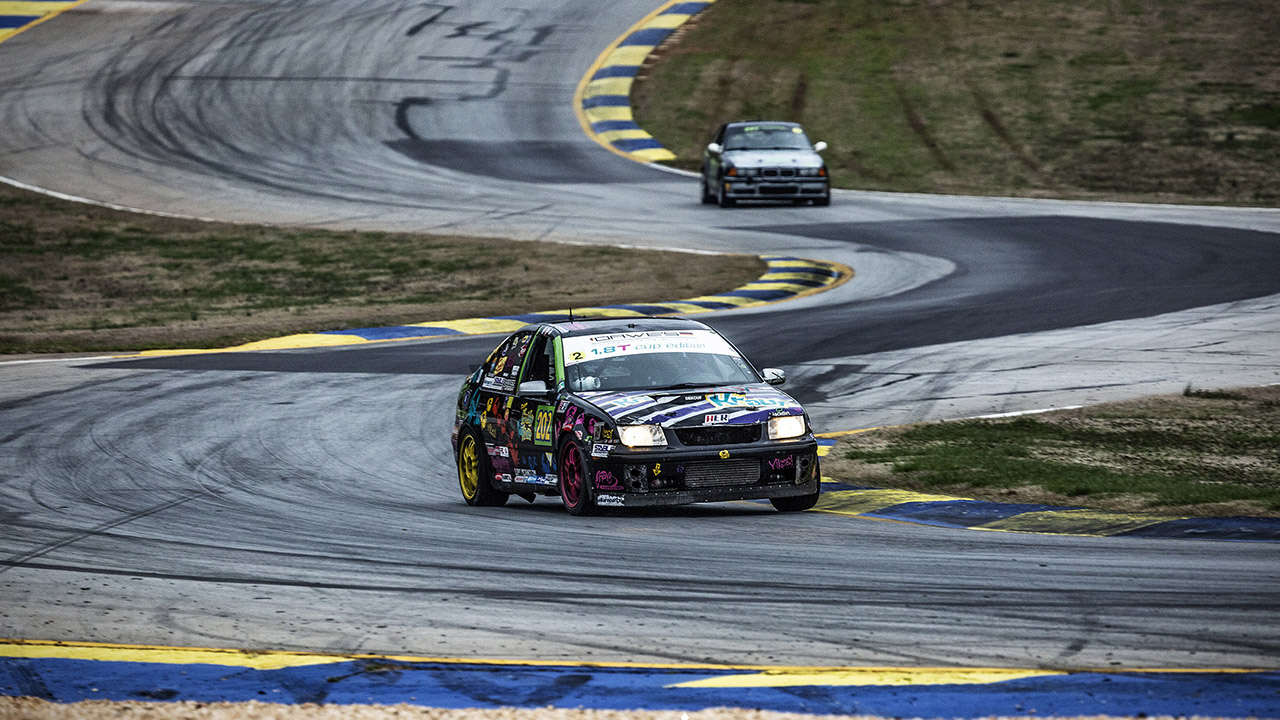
[629, 413]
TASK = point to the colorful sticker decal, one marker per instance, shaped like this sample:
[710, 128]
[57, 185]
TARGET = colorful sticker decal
[724, 454]
[606, 480]
[584, 348]
[782, 463]
[716, 419]
[601, 450]
[544, 425]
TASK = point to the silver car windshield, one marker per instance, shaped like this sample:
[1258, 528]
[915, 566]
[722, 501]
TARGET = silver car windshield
[656, 371]
[766, 137]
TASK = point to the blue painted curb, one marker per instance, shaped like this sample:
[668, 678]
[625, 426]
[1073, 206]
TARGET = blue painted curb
[461, 685]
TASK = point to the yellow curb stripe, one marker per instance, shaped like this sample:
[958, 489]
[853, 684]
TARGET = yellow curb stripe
[476, 326]
[669, 21]
[603, 114]
[858, 502]
[1092, 523]
[612, 135]
[608, 86]
[653, 154]
[275, 659]
[868, 677]
[631, 56]
[34, 8]
[45, 11]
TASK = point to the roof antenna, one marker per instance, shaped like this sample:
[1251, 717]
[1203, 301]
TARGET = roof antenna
[571, 315]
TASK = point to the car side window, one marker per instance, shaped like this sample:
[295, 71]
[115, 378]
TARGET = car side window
[540, 366]
[502, 367]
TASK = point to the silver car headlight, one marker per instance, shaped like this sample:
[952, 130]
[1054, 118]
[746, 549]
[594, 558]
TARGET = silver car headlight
[642, 435]
[787, 426]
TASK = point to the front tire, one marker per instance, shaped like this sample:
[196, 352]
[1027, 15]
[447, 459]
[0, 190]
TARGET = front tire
[708, 198]
[576, 491]
[475, 476]
[723, 200]
[795, 503]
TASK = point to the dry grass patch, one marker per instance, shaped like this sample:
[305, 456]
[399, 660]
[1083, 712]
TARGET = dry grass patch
[82, 278]
[1215, 453]
[1098, 99]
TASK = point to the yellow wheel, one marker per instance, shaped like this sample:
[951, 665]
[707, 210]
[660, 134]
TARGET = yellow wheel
[475, 479]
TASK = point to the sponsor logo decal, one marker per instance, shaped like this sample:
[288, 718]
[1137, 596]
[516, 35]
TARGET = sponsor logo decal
[718, 418]
[724, 454]
[610, 501]
[601, 450]
[780, 463]
[606, 480]
[498, 451]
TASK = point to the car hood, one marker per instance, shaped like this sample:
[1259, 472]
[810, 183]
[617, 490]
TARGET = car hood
[725, 405]
[773, 158]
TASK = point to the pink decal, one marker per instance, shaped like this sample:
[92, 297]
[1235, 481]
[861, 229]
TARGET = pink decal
[605, 480]
[782, 462]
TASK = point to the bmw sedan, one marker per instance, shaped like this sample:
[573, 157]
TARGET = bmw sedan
[764, 161]
[617, 413]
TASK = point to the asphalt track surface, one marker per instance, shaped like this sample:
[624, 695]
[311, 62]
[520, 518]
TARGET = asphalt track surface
[306, 500]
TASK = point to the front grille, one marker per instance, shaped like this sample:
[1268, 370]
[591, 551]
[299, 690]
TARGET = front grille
[778, 172]
[719, 434]
[779, 189]
[720, 474]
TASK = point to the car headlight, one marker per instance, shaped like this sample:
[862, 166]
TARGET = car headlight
[642, 435]
[787, 426]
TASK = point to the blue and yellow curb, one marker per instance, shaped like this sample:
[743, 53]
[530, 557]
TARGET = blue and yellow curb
[969, 514]
[786, 278]
[603, 97]
[72, 672]
[26, 14]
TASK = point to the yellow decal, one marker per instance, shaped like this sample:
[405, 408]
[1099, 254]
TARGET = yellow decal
[724, 454]
[542, 425]
[657, 469]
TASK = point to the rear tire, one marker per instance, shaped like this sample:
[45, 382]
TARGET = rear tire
[475, 476]
[576, 491]
[796, 503]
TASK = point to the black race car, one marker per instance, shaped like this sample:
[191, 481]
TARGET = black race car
[627, 413]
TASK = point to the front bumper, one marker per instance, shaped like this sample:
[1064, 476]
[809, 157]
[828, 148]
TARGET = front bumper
[677, 476]
[748, 188]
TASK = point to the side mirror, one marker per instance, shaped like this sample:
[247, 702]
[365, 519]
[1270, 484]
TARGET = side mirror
[774, 376]
[819, 146]
[532, 387]
[714, 148]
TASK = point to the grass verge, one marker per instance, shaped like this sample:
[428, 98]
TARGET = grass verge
[1096, 99]
[78, 278]
[1200, 453]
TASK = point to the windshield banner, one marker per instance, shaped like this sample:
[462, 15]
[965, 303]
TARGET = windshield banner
[585, 348]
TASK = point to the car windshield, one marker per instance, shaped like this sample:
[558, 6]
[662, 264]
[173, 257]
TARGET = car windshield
[766, 137]
[653, 360]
